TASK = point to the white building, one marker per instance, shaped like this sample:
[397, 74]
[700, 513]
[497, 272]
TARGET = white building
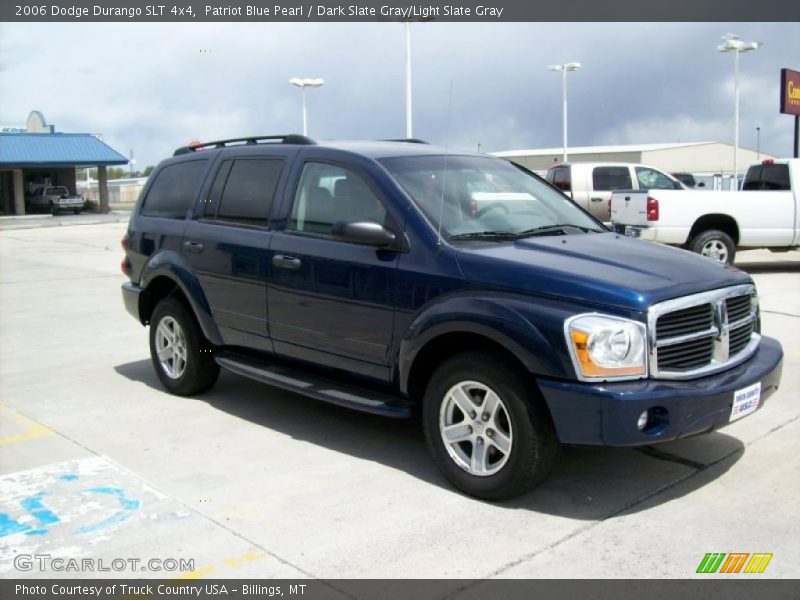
[710, 162]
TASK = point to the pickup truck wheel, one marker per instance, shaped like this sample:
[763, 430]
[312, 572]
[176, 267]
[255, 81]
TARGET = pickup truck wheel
[714, 244]
[487, 430]
[53, 209]
[181, 355]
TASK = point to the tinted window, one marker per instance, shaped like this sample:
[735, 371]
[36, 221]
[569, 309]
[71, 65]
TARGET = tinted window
[650, 179]
[328, 194]
[559, 177]
[172, 191]
[249, 190]
[768, 177]
[611, 178]
[752, 180]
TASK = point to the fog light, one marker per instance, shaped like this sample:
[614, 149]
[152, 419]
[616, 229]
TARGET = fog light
[642, 422]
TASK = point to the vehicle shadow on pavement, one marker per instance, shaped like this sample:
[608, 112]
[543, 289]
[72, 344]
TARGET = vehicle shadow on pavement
[588, 483]
[755, 268]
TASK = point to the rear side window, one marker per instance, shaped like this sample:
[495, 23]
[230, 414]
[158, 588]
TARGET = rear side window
[249, 190]
[560, 178]
[173, 190]
[768, 177]
[606, 179]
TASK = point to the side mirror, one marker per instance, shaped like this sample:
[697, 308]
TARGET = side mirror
[701, 184]
[368, 233]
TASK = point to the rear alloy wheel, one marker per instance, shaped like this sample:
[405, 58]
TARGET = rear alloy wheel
[181, 355]
[487, 428]
[714, 244]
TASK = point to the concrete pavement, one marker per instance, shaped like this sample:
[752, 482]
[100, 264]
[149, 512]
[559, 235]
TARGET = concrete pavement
[96, 461]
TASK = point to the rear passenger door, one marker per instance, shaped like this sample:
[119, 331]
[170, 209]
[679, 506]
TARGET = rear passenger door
[332, 302]
[226, 246]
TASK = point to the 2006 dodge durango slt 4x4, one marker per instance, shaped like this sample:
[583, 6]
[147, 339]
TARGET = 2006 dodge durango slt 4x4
[393, 276]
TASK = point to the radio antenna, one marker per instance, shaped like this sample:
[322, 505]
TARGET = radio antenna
[446, 154]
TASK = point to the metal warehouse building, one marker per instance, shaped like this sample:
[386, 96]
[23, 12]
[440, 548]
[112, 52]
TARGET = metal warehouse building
[38, 155]
[709, 161]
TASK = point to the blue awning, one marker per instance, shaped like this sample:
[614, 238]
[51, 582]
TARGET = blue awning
[56, 149]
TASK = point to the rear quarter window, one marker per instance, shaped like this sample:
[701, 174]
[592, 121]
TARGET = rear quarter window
[171, 193]
[768, 177]
[560, 178]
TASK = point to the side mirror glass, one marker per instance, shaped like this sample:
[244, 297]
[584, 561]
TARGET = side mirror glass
[368, 233]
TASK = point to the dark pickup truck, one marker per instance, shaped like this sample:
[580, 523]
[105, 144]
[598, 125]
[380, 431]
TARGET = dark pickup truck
[395, 277]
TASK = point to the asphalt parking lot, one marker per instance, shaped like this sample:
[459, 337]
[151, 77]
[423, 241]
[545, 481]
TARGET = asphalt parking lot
[96, 461]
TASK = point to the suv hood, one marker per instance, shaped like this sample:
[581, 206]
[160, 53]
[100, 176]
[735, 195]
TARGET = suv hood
[603, 268]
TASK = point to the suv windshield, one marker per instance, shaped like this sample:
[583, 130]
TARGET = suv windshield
[485, 197]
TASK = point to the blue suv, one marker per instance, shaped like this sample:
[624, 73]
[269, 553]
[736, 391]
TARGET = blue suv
[394, 277]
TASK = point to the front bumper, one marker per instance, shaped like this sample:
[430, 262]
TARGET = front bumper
[605, 414]
[130, 297]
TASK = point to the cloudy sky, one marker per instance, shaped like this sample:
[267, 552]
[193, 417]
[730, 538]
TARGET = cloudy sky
[152, 87]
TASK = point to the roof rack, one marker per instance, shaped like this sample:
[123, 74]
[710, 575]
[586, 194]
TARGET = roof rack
[292, 138]
[407, 140]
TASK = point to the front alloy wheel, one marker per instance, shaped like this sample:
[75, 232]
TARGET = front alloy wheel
[475, 428]
[487, 427]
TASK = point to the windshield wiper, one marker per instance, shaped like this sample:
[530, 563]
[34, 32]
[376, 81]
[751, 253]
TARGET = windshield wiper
[550, 229]
[485, 235]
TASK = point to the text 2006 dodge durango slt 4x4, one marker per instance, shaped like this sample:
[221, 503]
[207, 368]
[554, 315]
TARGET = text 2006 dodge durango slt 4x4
[394, 276]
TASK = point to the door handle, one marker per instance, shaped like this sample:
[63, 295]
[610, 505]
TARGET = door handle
[597, 199]
[193, 246]
[286, 262]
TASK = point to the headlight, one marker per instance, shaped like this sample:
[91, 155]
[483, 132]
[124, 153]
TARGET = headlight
[604, 347]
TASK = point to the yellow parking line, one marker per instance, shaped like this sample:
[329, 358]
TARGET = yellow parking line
[31, 433]
[233, 562]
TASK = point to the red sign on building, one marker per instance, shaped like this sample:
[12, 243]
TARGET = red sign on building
[790, 92]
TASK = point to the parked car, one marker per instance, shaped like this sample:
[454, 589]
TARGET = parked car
[766, 214]
[53, 198]
[590, 184]
[381, 277]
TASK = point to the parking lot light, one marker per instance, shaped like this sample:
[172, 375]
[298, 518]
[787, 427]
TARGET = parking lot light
[564, 67]
[732, 43]
[303, 83]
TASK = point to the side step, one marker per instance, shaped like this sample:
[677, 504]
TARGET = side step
[315, 386]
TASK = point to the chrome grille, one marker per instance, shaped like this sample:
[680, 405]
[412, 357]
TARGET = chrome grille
[704, 333]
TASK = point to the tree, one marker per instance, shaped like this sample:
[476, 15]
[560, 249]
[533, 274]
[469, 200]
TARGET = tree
[147, 170]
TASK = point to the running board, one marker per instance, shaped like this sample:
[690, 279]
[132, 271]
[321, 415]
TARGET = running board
[321, 388]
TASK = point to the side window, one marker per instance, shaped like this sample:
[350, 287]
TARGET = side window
[173, 190]
[248, 190]
[327, 194]
[560, 178]
[752, 180]
[653, 180]
[606, 179]
[776, 177]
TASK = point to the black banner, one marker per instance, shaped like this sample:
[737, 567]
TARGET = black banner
[714, 588]
[400, 10]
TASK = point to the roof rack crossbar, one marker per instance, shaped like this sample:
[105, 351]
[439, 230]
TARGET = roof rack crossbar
[291, 138]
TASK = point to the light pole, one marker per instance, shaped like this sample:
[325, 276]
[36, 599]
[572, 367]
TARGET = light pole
[409, 126]
[758, 144]
[303, 84]
[572, 66]
[732, 43]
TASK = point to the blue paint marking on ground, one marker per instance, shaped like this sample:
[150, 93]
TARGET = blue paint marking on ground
[68, 477]
[9, 526]
[127, 508]
[43, 515]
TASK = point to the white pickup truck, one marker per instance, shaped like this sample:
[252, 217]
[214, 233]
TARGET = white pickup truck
[765, 214]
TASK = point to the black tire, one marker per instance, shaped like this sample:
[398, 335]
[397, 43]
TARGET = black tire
[714, 243]
[200, 371]
[77, 211]
[53, 209]
[534, 449]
